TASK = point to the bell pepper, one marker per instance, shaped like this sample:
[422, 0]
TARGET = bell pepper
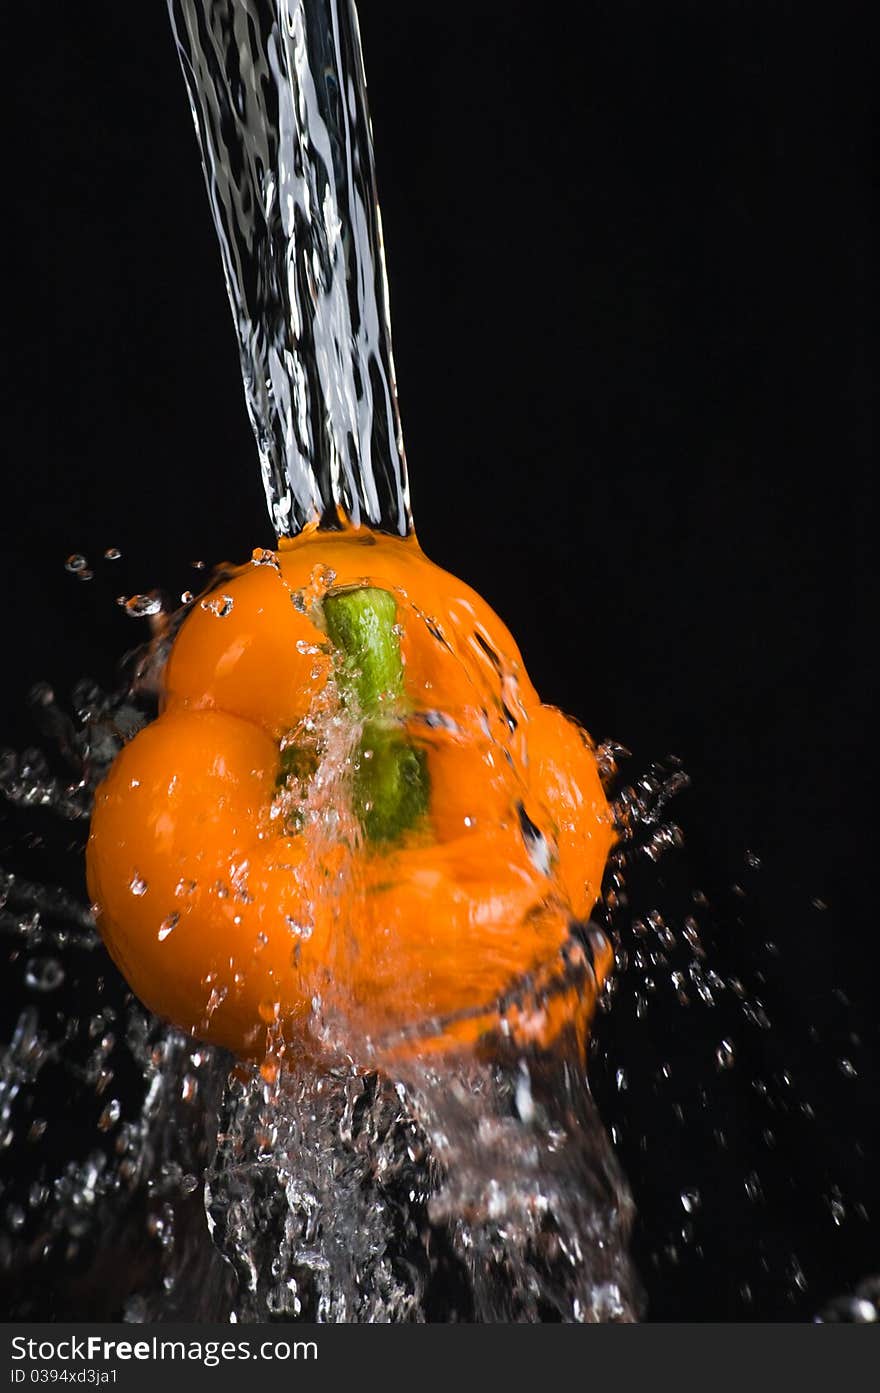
[353, 821]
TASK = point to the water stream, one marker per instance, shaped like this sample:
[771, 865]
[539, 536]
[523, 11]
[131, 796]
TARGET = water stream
[278, 97]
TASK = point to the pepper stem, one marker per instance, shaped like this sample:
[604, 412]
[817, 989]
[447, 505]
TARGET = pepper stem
[361, 624]
[390, 786]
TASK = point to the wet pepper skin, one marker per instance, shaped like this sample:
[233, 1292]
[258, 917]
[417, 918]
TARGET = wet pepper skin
[231, 921]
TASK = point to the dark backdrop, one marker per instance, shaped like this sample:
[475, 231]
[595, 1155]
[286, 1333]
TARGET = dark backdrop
[627, 246]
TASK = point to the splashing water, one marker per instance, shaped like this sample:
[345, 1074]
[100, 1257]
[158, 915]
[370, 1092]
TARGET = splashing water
[487, 1192]
[514, 1191]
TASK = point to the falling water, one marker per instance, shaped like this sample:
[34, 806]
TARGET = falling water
[278, 98]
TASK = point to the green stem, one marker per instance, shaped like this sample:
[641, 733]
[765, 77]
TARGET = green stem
[361, 623]
[390, 786]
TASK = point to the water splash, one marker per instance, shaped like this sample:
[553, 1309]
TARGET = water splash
[278, 97]
[341, 1196]
[746, 1139]
[486, 1190]
[476, 1187]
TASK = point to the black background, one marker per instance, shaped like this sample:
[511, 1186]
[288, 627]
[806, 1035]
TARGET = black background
[628, 254]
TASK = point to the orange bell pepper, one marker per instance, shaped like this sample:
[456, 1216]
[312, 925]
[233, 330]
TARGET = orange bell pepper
[353, 821]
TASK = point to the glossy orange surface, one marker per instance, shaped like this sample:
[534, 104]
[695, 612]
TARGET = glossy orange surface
[228, 917]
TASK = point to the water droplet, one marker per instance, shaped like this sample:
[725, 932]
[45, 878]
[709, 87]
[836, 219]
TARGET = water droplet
[15, 1217]
[143, 606]
[847, 1068]
[690, 1200]
[75, 563]
[298, 929]
[187, 597]
[524, 1101]
[112, 554]
[137, 885]
[168, 925]
[41, 694]
[219, 605]
[752, 1186]
[261, 556]
[797, 1274]
[37, 1195]
[110, 1116]
[725, 1055]
[214, 1001]
[43, 974]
